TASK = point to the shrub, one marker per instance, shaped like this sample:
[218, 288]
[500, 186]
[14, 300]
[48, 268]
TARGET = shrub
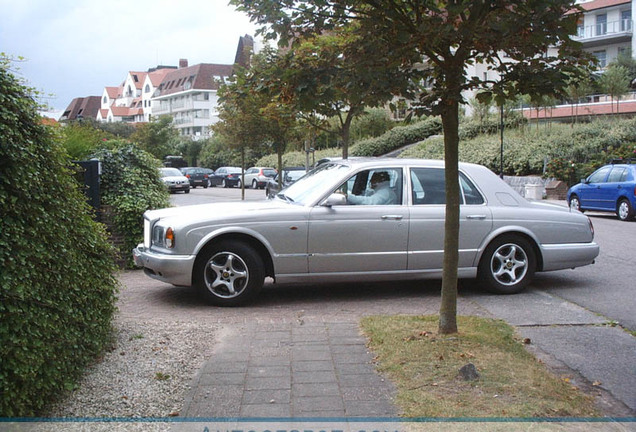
[57, 284]
[397, 138]
[130, 183]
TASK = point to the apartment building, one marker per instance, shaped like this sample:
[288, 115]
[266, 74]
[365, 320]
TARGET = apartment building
[187, 93]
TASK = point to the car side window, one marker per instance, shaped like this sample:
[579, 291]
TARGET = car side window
[471, 194]
[428, 186]
[617, 175]
[382, 186]
[599, 176]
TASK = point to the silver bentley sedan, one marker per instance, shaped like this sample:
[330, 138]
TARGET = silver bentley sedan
[376, 219]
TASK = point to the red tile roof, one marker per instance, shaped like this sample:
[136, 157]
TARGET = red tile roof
[626, 107]
[600, 4]
[201, 77]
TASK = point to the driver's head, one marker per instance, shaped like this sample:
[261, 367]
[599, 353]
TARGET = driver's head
[379, 177]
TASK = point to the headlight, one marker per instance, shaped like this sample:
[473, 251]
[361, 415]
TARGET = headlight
[163, 237]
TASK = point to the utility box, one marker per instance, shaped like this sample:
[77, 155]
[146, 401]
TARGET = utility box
[534, 191]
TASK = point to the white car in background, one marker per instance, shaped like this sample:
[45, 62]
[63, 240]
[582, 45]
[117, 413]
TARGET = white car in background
[174, 180]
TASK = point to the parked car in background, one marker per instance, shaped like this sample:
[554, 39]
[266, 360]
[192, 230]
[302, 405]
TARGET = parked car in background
[611, 188]
[174, 180]
[227, 177]
[196, 176]
[311, 232]
[257, 177]
[287, 175]
[209, 172]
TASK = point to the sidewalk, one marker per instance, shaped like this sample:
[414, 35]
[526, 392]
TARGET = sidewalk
[293, 369]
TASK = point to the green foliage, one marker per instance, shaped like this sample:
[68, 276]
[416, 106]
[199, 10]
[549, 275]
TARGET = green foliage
[130, 183]
[82, 139]
[158, 137]
[397, 137]
[528, 151]
[372, 123]
[57, 283]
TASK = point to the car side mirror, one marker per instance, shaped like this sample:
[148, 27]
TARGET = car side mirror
[335, 199]
[584, 181]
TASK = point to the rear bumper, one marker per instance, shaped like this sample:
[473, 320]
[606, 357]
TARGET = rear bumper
[173, 269]
[564, 256]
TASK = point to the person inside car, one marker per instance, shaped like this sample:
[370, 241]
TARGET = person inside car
[379, 194]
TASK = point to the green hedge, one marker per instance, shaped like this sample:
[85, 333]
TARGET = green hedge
[57, 283]
[566, 152]
[130, 183]
[394, 139]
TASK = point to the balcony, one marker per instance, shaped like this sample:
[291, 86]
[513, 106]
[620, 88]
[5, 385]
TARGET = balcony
[605, 33]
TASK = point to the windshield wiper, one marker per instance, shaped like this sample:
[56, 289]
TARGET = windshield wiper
[285, 197]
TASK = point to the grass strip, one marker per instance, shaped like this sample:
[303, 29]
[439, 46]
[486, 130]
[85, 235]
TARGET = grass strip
[424, 366]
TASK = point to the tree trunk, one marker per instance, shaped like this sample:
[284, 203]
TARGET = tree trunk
[448, 308]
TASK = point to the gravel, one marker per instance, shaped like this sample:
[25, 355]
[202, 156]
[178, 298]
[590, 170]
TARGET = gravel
[147, 374]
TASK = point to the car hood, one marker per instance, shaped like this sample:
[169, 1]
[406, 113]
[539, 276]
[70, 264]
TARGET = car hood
[223, 211]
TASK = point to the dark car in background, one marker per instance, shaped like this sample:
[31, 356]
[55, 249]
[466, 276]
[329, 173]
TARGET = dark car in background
[288, 175]
[210, 173]
[197, 176]
[227, 177]
[611, 188]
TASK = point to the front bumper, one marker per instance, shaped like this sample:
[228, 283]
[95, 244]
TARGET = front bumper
[172, 269]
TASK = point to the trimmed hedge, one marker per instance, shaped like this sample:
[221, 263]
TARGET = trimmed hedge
[57, 283]
[392, 140]
[130, 183]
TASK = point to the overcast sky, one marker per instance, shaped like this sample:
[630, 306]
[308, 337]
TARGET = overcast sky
[75, 48]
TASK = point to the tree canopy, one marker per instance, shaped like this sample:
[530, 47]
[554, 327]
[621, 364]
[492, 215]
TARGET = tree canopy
[526, 44]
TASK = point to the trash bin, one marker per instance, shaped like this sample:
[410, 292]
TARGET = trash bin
[534, 191]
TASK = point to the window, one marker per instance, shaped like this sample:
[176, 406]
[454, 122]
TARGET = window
[147, 88]
[382, 186]
[617, 175]
[104, 99]
[601, 56]
[429, 187]
[626, 20]
[599, 176]
[601, 24]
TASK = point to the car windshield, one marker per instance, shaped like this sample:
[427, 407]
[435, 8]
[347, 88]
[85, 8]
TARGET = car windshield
[312, 186]
[294, 175]
[170, 172]
[269, 172]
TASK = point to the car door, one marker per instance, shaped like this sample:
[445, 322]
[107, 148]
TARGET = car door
[612, 188]
[428, 216]
[360, 238]
[590, 191]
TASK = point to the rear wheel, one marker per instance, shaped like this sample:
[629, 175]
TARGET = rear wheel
[254, 184]
[239, 184]
[229, 274]
[508, 265]
[624, 210]
[224, 183]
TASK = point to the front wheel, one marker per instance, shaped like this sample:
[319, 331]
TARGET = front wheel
[229, 274]
[239, 184]
[624, 210]
[508, 265]
[575, 204]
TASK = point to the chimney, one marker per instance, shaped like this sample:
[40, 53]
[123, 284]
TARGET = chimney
[183, 63]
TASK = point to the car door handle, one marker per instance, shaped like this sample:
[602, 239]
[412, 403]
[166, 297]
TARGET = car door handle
[476, 217]
[392, 217]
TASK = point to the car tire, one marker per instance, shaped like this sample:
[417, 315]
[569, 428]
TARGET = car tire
[205, 186]
[224, 183]
[574, 203]
[239, 184]
[229, 273]
[254, 184]
[507, 265]
[624, 210]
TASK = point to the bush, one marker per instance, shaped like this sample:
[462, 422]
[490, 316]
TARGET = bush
[397, 138]
[130, 183]
[57, 284]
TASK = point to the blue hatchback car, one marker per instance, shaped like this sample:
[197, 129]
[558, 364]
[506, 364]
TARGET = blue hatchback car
[610, 188]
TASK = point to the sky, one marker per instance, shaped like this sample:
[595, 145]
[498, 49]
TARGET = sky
[75, 48]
